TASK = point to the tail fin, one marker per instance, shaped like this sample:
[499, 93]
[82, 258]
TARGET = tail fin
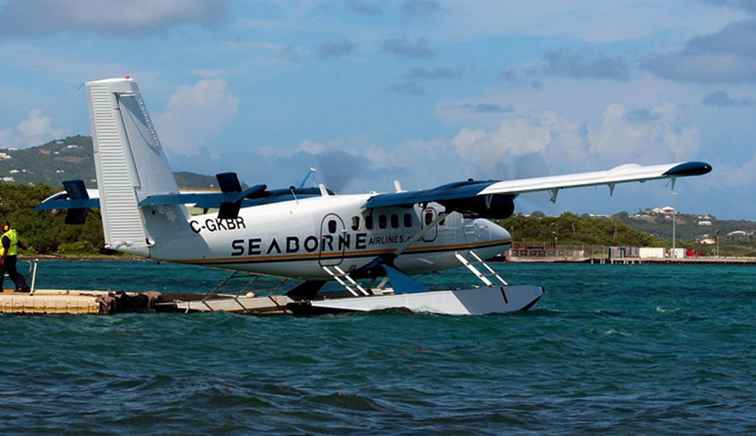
[129, 160]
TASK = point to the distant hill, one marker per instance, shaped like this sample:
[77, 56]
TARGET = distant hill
[67, 159]
[571, 229]
[687, 226]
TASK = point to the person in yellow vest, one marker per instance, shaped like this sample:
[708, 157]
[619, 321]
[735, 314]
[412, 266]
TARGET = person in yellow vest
[9, 249]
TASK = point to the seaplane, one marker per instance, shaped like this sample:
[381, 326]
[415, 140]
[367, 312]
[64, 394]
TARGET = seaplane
[371, 244]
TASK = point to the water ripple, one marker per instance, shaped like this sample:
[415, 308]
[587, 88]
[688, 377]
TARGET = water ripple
[633, 350]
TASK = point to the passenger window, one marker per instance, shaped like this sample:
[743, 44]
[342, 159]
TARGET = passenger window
[395, 221]
[428, 218]
[369, 222]
[332, 226]
[407, 220]
[382, 221]
[355, 223]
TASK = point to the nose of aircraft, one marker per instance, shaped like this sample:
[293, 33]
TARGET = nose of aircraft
[498, 233]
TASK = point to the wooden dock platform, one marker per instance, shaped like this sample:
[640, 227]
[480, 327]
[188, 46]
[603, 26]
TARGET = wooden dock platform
[60, 303]
[96, 302]
[74, 302]
[248, 303]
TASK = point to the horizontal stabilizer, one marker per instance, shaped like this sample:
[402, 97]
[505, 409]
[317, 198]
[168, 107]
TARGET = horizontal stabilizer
[254, 196]
[61, 201]
[75, 199]
[209, 200]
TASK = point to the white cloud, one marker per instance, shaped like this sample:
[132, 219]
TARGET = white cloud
[21, 17]
[37, 128]
[312, 147]
[528, 145]
[513, 137]
[522, 145]
[656, 134]
[196, 114]
[621, 136]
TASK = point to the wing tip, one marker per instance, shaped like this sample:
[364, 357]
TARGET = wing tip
[686, 169]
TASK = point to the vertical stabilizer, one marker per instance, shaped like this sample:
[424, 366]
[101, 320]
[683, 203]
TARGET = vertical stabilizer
[129, 161]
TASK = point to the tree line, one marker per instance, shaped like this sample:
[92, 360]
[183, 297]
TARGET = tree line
[45, 232]
[572, 229]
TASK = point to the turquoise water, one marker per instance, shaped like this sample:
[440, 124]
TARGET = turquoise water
[651, 349]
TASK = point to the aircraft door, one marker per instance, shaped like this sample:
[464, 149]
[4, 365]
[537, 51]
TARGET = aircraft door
[332, 242]
[427, 217]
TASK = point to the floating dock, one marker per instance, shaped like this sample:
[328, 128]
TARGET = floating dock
[74, 302]
[494, 296]
[95, 302]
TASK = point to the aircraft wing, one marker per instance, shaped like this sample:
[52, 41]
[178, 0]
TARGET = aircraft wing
[460, 191]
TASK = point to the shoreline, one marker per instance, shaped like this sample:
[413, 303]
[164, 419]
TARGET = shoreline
[633, 260]
[508, 259]
[82, 257]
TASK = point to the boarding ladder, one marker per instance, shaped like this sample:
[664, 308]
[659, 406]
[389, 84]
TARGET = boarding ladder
[344, 279]
[484, 277]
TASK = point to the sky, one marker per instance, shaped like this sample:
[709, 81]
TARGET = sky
[423, 91]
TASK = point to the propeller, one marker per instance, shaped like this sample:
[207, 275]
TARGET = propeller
[76, 191]
[233, 194]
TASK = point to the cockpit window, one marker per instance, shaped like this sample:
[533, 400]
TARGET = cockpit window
[428, 217]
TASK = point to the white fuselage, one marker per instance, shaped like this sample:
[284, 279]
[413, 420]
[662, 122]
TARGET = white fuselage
[297, 238]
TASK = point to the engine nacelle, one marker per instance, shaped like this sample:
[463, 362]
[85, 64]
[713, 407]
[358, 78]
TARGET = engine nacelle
[491, 206]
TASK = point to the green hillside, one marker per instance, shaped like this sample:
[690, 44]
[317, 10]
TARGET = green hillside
[690, 228]
[623, 230]
[45, 232]
[67, 159]
[571, 229]
[686, 227]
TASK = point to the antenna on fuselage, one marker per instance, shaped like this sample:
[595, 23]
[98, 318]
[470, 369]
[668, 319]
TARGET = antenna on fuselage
[323, 190]
[307, 177]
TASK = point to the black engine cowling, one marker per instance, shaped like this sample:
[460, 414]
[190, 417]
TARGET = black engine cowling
[484, 206]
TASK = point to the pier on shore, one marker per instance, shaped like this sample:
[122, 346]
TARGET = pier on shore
[707, 260]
